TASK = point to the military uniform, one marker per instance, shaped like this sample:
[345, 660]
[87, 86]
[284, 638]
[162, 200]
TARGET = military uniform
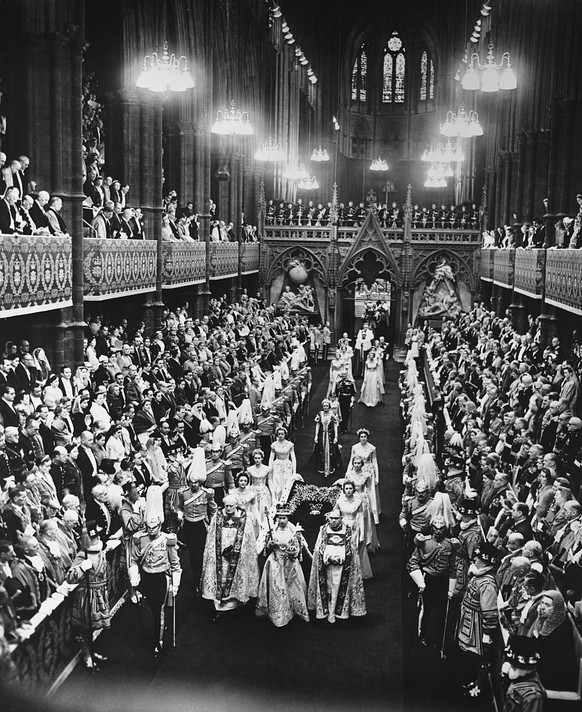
[346, 393]
[154, 567]
[197, 508]
[219, 478]
[469, 538]
[525, 694]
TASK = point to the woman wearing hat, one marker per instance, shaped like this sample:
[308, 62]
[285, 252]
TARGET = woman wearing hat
[91, 602]
[282, 590]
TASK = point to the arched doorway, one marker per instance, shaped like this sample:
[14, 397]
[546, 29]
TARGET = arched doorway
[369, 292]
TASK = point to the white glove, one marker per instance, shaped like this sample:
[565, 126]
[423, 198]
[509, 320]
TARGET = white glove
[402, 523]
[486, 639]
[418, 577]
[87, 565]
[134, 577]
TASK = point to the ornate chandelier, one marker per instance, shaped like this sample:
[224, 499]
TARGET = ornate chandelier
[462, 124]
[270, 151]
[443, 154]
[491, 76]
[437, 174]
[320, 154]
[379, 164]
[308, 184]
[232, 121]
[165, 73]
[296, 172]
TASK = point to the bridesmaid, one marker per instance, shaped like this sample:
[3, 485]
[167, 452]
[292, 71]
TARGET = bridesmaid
[258, 473]
[367, 452]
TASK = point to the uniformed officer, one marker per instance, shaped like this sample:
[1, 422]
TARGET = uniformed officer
[525, 692]
[196, 506]
[218, 474]
[346, 395]
[155, 568]
[432, 568]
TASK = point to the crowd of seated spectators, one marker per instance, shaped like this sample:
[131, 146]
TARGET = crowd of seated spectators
[183, 224]
[310, 214]
[23, 209]
[75, 440]
[567, 233]
[511, 444]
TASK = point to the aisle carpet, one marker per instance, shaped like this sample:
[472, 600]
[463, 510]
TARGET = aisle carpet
[242, 663]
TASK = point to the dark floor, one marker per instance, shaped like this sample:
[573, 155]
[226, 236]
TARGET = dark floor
[243, 663]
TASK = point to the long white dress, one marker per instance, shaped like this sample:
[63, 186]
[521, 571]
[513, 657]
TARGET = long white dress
[372, 388]
[282, 468]
[362, 480]
[352, 511]
[368, 453]
[258, 477]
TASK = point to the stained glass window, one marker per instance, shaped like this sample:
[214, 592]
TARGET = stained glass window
[393, 71]
[360, 76]
[426, 77]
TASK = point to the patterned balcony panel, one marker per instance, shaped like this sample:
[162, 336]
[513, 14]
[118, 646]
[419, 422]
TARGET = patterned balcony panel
[294, 233]
[118, 268]
[184, 264]
[472, 237]
[42, 657]
[223, 259]
[529, 272]
[504, 261]
[35, 274]
[487, 264]
[249, 257]
[564, 279]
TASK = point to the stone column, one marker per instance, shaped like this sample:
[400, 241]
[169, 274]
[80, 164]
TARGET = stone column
[518, 313]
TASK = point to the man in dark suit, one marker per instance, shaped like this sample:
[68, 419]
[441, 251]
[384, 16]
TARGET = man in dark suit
[87, 463]
[26, 374]
[8, 415]
[8, 212]
[37, 211]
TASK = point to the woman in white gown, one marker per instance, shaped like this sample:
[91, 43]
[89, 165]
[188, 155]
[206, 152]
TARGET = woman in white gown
[352, 511]
[259, 472]
[372, 388]
[282, 463]
[336, 367]
[367, 452]
[283, 590]
[246, 498]
[362, 479]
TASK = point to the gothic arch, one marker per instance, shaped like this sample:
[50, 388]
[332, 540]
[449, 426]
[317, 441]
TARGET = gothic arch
[462, 268]
[311, 261]
[355, 265]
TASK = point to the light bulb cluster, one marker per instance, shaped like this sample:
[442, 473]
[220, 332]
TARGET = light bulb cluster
[379, 164]
[319, 155]
[308, 184]
[443, 154]
[436, 176]
[270, 151]
[165, 73]
[232, 122]
[296, 172]
[276, 12]
[490, 76]
[462, 124]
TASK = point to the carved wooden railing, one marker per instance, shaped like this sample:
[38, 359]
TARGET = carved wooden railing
[183, 263]
[293, 233]
[223, 259]
[35, 273]
[529, 272]
[119, 267]
[487, 265]
[249, 256]
[503, 262]
[50, 646]
[564, 279]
